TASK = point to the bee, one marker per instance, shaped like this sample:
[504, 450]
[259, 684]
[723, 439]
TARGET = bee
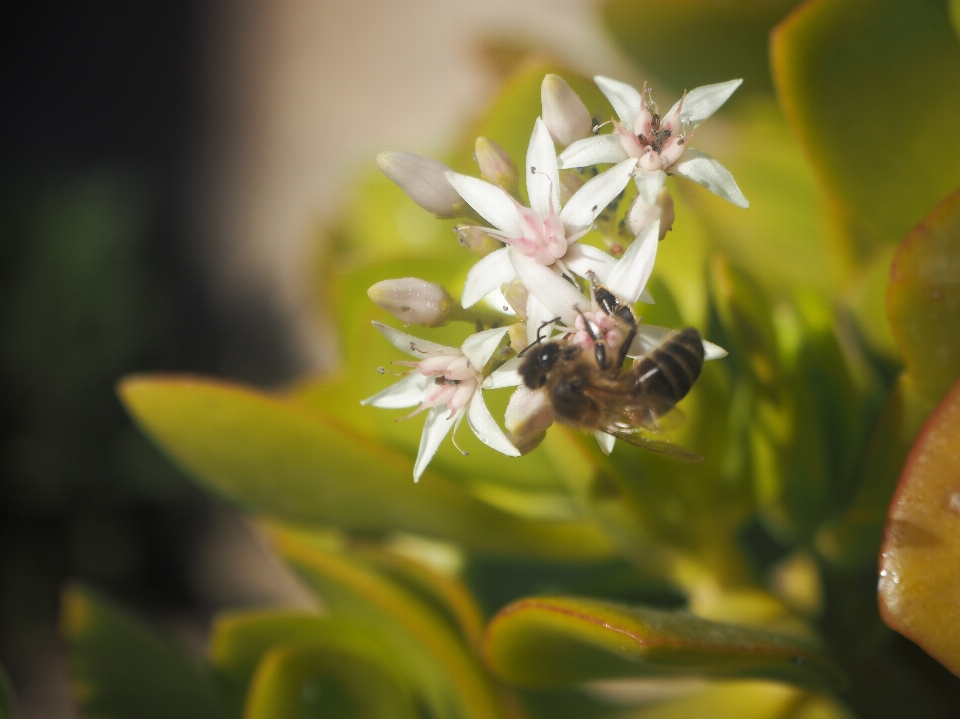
[594, 391]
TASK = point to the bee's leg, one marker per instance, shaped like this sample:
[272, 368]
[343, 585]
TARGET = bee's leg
[599, 350]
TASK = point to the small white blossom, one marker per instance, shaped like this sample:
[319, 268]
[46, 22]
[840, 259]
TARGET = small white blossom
[445, 382]
[415, 301]
[659, 143]
[544, 232]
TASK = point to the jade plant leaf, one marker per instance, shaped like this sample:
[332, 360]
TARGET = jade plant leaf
[552, 641]
[122, 669]
[295, 681]
[277, 457]
[441, 667]
[697, 42]
[923, 300]
[920, 557]
[869, 90]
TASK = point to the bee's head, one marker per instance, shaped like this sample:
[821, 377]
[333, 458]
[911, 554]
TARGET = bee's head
[538, 363]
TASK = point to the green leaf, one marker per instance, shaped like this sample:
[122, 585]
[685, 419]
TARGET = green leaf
[923, 300]
[697, 42]
[853, 538]
[446, 675]
[303, 681]
[121, 669]
[278, 457]
[6, 696]
[552, 641]
[920, 560]
[869, 89]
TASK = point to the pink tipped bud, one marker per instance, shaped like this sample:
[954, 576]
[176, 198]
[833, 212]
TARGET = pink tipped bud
[414, 301]
[476, 240]
[423, 179]
[564, 113]
[641, 215]
[527, 417]
[496, 167]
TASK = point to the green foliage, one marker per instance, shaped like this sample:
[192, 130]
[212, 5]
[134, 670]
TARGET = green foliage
[755, 566]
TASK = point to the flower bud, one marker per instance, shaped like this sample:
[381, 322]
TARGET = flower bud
[476, 240]
[564, 113]
[423, 179]
[527, 417]
[516, 296]
[414, 301]
[496, 167]
[570, 182]
[641, 215]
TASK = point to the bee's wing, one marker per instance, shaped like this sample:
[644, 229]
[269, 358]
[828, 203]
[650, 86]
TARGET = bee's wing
[665, 448]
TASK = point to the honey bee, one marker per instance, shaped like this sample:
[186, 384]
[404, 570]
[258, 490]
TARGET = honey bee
[594, 391]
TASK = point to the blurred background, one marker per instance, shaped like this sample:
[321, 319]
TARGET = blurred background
[164, 169]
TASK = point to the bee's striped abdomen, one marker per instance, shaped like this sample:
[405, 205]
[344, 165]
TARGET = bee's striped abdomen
[670, 370]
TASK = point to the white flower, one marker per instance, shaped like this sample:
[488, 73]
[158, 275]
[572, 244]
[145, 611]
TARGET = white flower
[659, 144]
[560, 299]
[446, 381]
[543, 232]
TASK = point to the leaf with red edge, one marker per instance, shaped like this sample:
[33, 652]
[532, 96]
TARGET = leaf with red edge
[920, 559]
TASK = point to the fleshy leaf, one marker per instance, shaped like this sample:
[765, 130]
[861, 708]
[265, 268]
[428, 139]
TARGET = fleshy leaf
[923, 300]
[839, 68]
[721, 41]
[920, 558]
[122, 669]
[294, 681]
[450, 679]
[552, 641]
[280, 458]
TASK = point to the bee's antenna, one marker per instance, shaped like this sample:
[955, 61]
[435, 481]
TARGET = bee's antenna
[539, 338]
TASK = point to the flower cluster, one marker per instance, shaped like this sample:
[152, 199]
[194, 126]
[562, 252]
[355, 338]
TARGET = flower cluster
[531, 259]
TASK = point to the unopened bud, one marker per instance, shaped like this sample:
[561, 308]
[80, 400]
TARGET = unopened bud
[516, 296]
[476, 240]
[564, 113]
[641, 215]
[414, 301]
[424, 180]
[528, 415]
[570, 182]
[496, 167]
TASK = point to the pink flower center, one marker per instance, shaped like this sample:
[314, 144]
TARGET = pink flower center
[454, 381]
[544, 237]
[597, 324]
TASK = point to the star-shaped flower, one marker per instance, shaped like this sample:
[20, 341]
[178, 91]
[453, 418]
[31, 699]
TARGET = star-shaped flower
[658, 143]
[446, 381]
[545, 232]
[627, 280]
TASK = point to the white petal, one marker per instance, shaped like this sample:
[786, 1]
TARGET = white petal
[592, 199]
[701, 102]
[606, 441]
[557, 295]
[649, 184]
[704, 170]
[486, 276]
[582, 259]
[649, 337]
[506, 375]
[435, 429]
[479, 347]
[413, 345]
[630, 276]
[486, 429]
[625, 99]
[596, 150]
[646, 297]
[493, 204]
[543, 179]
[537, 316]
[408, 392]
